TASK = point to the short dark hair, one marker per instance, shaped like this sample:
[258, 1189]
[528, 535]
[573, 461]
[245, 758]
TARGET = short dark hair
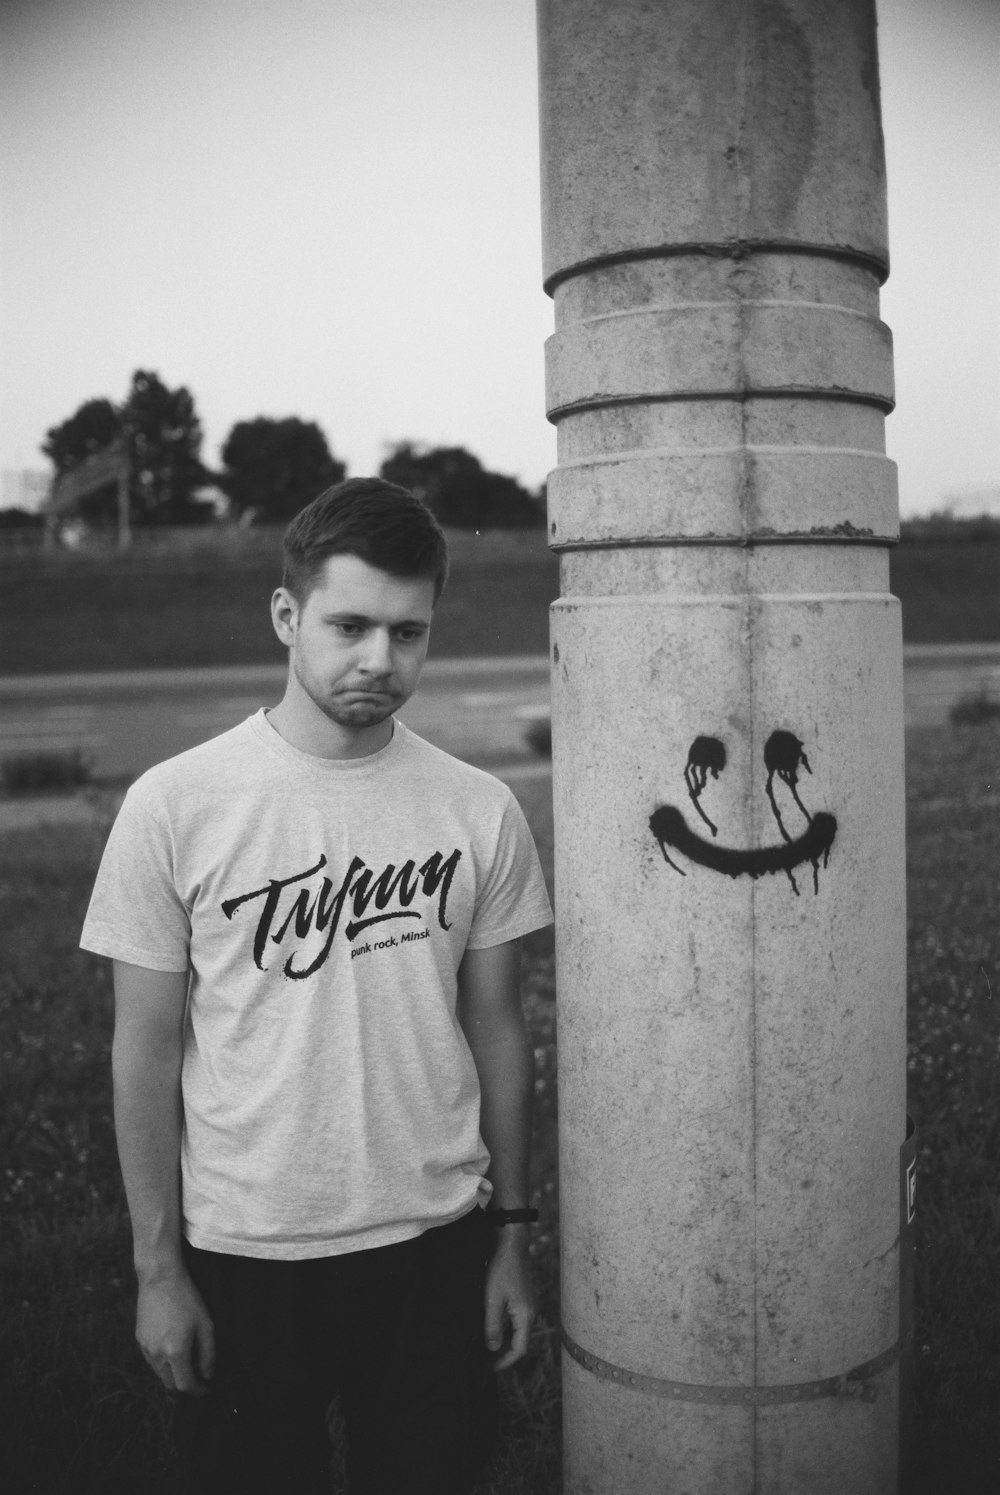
[382, 524]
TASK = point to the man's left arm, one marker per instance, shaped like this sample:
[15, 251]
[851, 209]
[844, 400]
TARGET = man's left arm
[489, 1010]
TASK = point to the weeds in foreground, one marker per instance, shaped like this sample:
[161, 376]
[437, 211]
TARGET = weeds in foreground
[978, 706]
[36, 772]
[954, 1086]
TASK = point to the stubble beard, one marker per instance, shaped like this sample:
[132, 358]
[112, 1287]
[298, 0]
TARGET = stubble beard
[356, 714]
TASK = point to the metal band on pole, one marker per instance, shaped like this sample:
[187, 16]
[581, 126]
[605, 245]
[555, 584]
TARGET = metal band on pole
[854, 1382]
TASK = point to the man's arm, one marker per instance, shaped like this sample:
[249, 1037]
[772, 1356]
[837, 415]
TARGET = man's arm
[489, 1010]
[173, 1327]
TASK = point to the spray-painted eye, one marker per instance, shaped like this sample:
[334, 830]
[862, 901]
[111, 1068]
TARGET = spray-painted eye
[707, 756]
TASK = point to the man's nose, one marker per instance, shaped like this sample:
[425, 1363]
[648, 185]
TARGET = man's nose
[376, 656]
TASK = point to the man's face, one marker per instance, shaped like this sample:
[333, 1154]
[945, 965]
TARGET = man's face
[358, 641]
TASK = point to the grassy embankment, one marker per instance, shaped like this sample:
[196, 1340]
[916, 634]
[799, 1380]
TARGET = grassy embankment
[81, 1411]
[210, 606]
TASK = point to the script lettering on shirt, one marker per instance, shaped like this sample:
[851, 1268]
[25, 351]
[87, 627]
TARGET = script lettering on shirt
[297, 905]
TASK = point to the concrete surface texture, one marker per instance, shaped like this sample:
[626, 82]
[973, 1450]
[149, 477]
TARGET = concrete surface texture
[727, 723]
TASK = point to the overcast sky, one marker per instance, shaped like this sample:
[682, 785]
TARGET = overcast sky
[329, 208]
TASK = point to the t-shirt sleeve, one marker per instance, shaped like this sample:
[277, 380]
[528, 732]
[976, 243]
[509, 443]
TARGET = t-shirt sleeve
[513, 899]
[136, 913]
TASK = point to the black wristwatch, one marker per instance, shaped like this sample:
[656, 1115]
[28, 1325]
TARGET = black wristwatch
[512, 1216]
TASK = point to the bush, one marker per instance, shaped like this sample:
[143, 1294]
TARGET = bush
[538, 736]
[27, 773]
[974, 708]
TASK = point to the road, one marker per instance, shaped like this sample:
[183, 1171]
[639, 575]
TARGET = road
[478, 709]
[935, 676]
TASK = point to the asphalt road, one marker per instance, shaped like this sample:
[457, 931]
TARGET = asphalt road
[478, 709]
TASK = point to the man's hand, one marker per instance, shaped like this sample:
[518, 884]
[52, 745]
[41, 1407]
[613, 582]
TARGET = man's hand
[175, 1334]
[510, 1296]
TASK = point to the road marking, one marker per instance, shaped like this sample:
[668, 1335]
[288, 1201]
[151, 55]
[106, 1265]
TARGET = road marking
[44, 742]
[486, 699]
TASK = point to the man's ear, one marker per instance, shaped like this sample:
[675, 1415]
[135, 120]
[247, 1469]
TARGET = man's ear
[284, 615]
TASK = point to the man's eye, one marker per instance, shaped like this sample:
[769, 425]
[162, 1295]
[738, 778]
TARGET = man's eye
[349, 630]
[409, 635]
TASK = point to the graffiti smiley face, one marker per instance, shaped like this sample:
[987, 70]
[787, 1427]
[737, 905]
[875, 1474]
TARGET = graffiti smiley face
[784, 760]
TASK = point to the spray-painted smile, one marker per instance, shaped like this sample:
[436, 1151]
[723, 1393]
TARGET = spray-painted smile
[783, 758]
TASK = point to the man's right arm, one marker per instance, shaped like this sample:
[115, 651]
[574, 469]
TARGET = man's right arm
[173, 1327]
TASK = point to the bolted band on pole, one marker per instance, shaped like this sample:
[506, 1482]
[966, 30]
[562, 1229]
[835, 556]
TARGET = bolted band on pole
[727, 747]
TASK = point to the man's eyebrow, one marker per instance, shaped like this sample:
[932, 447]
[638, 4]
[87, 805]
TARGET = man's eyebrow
[337, 617]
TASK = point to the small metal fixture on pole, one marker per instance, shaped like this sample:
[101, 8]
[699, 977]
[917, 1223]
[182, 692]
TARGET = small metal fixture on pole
[728, 749]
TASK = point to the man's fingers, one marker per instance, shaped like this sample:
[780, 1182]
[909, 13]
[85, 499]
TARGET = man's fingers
[494, 1327]
[181, 1367]
[161, 1369]
[504, 1317]
[184, 1369]
[175, 1334]
[521, 1322]
[181, 1376]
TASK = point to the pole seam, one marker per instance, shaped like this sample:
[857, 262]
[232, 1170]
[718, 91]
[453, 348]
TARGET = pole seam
[747, 507]
[852, 1383]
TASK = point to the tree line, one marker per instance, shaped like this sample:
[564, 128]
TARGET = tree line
[270, 467]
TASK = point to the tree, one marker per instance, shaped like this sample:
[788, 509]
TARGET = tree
[163, 436]
[459, 490]
[92, 428]
[276, 467]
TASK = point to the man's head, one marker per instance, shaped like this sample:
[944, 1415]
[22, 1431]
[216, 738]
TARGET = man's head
[382, 524]
[364, 566]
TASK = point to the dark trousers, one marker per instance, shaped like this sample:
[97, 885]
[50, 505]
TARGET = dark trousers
[396, 1332]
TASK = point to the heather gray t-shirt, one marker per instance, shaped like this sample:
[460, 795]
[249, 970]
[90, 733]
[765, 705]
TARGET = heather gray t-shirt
[322, 908]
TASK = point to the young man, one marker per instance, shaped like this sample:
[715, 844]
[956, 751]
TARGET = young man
[322, 1073]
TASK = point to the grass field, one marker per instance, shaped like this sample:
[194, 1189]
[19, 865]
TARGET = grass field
[949, 591]
[81, 1412]
[168, 610]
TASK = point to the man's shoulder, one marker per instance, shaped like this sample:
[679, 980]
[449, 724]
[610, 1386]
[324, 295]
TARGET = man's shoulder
[437, 767]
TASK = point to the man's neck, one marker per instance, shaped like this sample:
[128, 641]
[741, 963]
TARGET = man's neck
[312, 732]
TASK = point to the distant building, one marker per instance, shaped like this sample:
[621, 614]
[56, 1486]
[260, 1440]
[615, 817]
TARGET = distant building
[26, 488]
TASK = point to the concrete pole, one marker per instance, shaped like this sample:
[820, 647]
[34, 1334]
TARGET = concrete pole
[728, 750]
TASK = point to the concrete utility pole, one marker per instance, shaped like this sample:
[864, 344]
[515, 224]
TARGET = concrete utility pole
[728, 764]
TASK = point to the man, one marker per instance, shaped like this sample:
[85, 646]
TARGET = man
[322, 1072]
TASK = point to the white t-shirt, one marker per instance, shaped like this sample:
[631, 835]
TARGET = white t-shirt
[322, 908]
